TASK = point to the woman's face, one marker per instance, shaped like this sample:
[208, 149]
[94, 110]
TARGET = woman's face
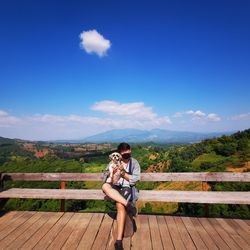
[126, 154]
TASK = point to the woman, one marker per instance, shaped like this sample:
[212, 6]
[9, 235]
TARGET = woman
[122, 192]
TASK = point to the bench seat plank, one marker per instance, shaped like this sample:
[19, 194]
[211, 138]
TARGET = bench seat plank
[144, 195]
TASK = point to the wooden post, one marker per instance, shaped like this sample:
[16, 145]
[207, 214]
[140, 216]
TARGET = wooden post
[206, 206]
[62, 209]
[2, 201]
[1, 181]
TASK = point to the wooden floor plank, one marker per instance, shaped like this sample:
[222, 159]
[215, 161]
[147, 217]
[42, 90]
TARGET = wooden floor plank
[155, 233]
[97, 231]
[20, 241]
[101, 239]
[175, 235]
[233, 233]
[243, 225]
[240, 230]
[16, 223]
[43, 230]
[164, 232]
[74, 239]
[127, 243]
[203, 234]
[8, 216]
[112, 236]
[19, 230]
[214, 235]
[193, 233]
[187, 240]
[91, 232]
[53, 232]
[63, 235]
[223, 234]
[136, 238]
[146, 242]
[11, 219]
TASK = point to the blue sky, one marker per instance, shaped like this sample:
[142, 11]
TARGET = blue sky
[70, 69]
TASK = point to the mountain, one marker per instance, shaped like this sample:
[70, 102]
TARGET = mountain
[154, 135]
[6, 141]
[135, 136]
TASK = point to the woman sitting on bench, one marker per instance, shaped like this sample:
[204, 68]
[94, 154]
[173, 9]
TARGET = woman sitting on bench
[123, 191]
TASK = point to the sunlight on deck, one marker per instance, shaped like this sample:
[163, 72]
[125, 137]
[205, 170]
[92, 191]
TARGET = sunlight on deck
[57, 230]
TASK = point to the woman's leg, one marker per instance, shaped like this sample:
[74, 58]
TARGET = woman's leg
[121, 217]
[114, 194]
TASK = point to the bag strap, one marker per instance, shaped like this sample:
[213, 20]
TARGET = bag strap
[130, 168]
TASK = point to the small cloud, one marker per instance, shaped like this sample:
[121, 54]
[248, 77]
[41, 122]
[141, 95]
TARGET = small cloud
[199, 115]
[134, 114]
[241, 117]
[136, 109]
[3, 113]
[94, 42]
[213, 117]
[178, 114]
[7, 120]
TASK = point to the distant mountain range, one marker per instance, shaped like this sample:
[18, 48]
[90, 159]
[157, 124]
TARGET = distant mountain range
[142, 136]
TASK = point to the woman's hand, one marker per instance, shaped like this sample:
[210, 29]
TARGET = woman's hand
[115, 168]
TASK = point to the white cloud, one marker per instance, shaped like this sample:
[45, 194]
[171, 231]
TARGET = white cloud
[51, 126]
[94, 42]
[3, 113]
[100, 124]
[133, 109]
[241, 117]
[117, 115]
[213, 117]
[7, 120]
[178, 114]
[199, 115]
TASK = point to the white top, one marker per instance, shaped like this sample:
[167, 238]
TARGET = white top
[122, 181]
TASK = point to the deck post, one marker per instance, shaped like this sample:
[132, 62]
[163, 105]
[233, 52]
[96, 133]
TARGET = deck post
[206, 206]
[62, 207]
[4, 200]
[1, 181]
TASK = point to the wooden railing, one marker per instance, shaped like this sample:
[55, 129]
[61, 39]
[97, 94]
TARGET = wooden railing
[197, 176]
[207, 197]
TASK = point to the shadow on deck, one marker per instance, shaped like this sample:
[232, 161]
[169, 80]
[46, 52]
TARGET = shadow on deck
[57, 230]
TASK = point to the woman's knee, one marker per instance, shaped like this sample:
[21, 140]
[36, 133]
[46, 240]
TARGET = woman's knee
[106, 187]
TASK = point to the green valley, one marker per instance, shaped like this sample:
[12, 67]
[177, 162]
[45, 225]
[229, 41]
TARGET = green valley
[226, 153]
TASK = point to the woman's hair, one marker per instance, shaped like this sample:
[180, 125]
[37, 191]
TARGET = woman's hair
[123, 147]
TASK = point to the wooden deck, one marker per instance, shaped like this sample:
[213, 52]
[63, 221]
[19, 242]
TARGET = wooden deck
[57, 230]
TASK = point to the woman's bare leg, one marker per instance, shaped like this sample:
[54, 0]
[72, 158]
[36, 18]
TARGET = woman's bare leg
[114, 194]
[121, 218]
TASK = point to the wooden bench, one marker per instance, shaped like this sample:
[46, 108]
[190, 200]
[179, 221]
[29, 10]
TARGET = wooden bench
[207, 197]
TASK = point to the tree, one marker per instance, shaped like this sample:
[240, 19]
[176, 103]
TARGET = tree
[178, 165]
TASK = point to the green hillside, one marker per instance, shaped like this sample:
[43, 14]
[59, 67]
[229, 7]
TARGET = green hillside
[212, 154]
[212, 158]
[227, 153]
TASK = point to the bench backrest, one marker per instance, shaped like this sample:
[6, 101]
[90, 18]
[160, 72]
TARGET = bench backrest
[161, 177]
